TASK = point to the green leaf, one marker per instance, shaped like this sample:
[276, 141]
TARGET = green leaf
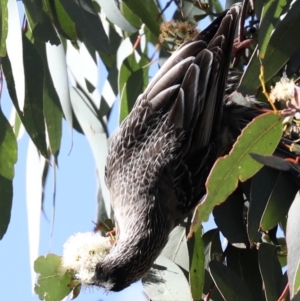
[262, 135]
[197, 266]
[208, 285]
[33, 14]
[8, 148]
[217, 6]
[231, 287]
[97, 138]
[270, 270]
[132, 88]
[32, 117]
[164, 55]
[14, 47]
[113, 77]
[293, 245]
[6, 192]
[212, 246]
[8, 157]
[281, 46]
[297, 279]
[191, 11]
[176, 249]
[262, 185]
[244, 262]
[133, 79]
[3, 26]
[53, 117]
[51, 285]
[45, 31]
[258, 8]
[270, 14]
[17, 125]
[148, 12]
[62, 21]
[114, 15]
[52, 109]
[293, 65]
[56, 65]
[40, 23]
[212, 251]
[87, 20]
[34, 10]
[166, 281]
[282, 251]
[130, 16]
[230, 220]
[198, 18]
[296, 297]
[279, 202]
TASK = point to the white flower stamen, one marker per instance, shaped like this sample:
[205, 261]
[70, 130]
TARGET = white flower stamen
[82, 252]
[284, 90]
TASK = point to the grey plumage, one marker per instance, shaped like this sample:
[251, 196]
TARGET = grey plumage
[161, 155]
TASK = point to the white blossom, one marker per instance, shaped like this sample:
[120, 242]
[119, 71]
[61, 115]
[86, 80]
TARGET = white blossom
[284, 90]
[82, 251]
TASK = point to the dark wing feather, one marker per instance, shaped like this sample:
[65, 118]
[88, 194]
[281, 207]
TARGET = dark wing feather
[162, 153]
[181, 108]
[201, 103]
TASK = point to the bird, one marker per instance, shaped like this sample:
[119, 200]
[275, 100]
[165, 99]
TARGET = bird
[162, 153]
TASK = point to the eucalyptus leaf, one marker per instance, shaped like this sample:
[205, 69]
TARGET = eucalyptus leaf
[212, 246]
[8, 157]
[166, 281]
[57, 80]
[262, 185]
[45, 31]
[281, 46]
[3, 26]
[96, 135]
[176, 249]
[133, 79]
[6, 191]
[130, 16]
[296, 297]
[231, 287]
[270, 14]
[114, 15]
[148, 12]
[259, 136]
[14, 48]
[52, 109]
[244, 262]
[85, 17]
[230, 220]
[197, 276]
[293, 65]
[270, 270]
[62, 21]
[32, 117]
[190, 10]
[279, 202]
[293, 245]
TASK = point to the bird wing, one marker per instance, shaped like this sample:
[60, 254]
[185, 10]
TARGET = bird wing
[172, 129]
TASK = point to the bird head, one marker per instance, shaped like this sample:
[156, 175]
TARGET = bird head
[115, 274]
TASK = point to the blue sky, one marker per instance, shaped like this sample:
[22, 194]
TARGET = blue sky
[75, 212]
[76, 195]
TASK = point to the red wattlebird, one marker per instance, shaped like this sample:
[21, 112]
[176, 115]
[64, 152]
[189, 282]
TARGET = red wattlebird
[162, 153]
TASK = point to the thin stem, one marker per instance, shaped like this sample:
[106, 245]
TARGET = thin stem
[263, 85]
